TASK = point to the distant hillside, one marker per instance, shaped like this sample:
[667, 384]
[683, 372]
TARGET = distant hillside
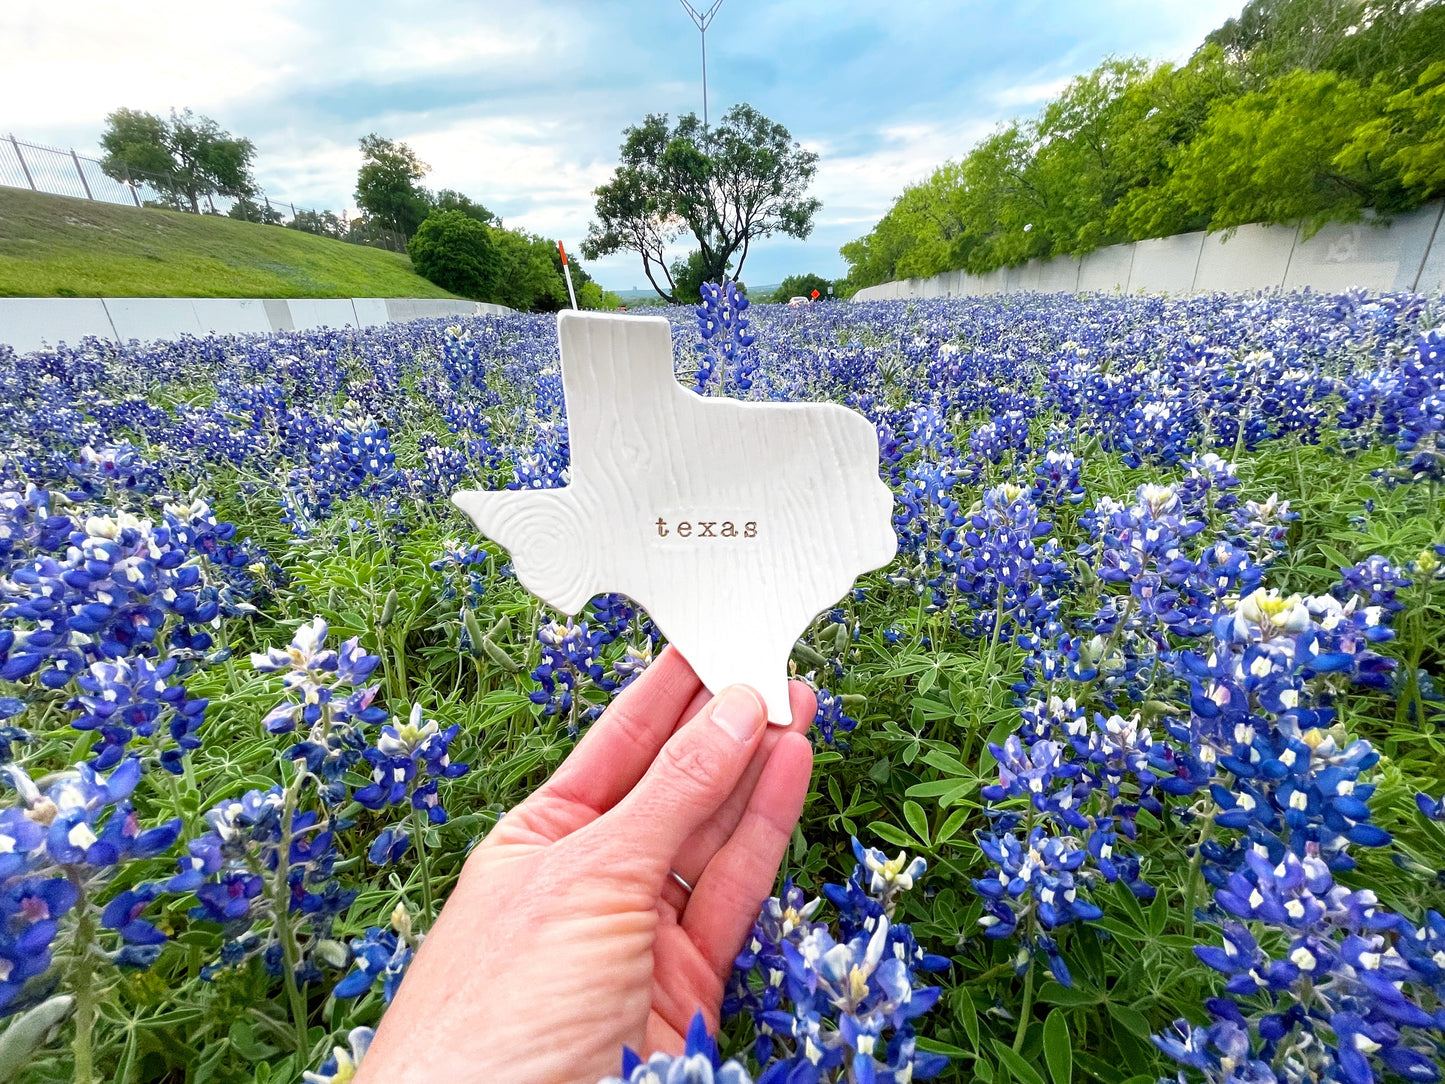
[54, 246]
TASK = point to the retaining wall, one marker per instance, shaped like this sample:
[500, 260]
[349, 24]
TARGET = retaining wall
[30, 323]
[1406, 253]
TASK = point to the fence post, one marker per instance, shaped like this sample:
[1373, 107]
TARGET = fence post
[83, 182]
[293, 212]
[125, 172]
[24, 168]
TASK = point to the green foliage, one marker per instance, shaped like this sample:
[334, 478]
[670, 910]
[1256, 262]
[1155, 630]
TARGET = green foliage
[1295, 110]
[321, 223]
[386, 184]
[249, 210]
[801, 286]
[528, 276]
[457, 253]
[1408, 140]
[1270, 156]
[688, 273]
[187, 158]
[52, 246]
[460, 252]
[449, 199]
[727, 185]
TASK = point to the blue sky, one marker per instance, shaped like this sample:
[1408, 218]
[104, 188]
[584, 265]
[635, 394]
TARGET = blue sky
[522, 104]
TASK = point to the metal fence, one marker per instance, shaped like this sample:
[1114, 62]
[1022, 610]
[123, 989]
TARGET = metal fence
[61, 172]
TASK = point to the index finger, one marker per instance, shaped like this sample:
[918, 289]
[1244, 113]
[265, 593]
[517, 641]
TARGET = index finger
[620, 746]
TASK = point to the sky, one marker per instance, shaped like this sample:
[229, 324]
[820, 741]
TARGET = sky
[521, 105]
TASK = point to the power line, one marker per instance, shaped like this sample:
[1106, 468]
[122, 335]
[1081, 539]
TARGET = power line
[702, 20]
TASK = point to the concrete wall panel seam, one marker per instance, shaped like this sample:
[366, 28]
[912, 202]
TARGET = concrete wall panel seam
[1429, 245]
[1293, 244]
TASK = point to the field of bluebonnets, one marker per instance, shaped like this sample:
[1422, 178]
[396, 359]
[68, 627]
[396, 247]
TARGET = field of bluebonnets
[1150, 690]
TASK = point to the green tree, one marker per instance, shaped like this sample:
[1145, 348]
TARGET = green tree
[527, 278]
[688, 273]
[1159, 116]
[727, 185]
[321, 223]
[1269, 156]
[187, 158]
[801, 286]
[248, 209]
[457, 253]
[1407, 141]
[448, 199]
[387, 187]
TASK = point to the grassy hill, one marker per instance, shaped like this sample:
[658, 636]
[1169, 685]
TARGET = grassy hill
[54, 246]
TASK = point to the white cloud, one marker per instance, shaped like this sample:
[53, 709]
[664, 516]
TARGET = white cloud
[1027, 93]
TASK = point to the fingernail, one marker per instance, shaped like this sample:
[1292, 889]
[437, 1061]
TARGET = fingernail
[740, 712]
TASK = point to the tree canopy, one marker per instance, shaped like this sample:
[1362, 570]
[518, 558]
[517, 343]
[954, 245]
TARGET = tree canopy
[1295, 110]
[726, 185]
[387, 187]
[186, 157]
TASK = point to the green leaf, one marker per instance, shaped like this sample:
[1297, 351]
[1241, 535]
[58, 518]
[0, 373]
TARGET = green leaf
[950, 827]
[1019, 1069]
[934, 1046]
[949, 765]
[917, 820]
[1130, 903]
[1054, 993]
[1158, 913]
[28, 1032]
[1058, 1047]
[1335, 556]
[1127, 931]
[889, 834]
[1132, 1020]
[966, 1012]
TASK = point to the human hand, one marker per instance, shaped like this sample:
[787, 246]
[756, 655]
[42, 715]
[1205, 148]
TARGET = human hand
[567, 936]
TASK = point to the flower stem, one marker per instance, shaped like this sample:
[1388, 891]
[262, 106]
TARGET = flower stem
[1027, 1011]
[423, 865]
[281, 903]
[83, 983]
[1191, 888]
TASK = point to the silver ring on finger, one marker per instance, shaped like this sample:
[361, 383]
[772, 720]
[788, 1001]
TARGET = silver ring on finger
[678, 878]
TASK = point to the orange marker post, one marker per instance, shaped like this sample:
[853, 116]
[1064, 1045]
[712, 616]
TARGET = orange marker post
[567, 270]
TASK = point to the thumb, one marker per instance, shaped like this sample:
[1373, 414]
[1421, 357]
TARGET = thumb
[691, 778]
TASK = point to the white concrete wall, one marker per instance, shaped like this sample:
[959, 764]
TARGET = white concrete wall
[1406, 253]
[30, 323]
[1255, 258]
[1106, 270]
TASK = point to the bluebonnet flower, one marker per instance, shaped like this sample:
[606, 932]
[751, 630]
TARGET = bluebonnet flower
[699, 1063]
[571, 666]
[407, 762]
[1032, 891]
[818, 1002]
[461, 564]
[1352, 987]
[58, 851]
[130, 697]
[724, 351]
[341, 1066]
[1001, 562]
[1261, 526]
[381, 954]
[830, 718]
[1056, 480]
[233, 867]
